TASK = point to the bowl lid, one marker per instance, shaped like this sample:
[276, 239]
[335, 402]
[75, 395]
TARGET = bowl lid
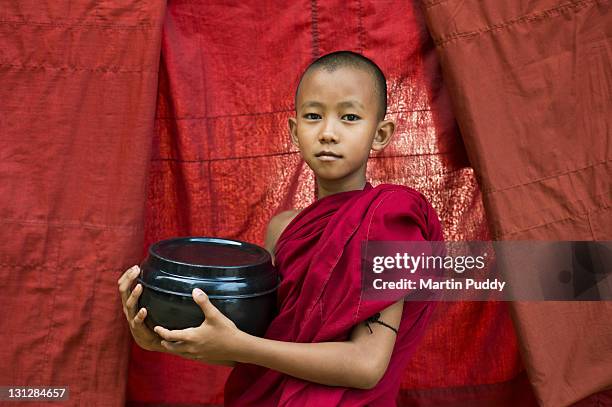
[220, 267]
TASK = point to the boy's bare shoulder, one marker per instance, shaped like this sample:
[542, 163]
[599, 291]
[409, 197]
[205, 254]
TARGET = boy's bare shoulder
[284, 216]
[277, 224]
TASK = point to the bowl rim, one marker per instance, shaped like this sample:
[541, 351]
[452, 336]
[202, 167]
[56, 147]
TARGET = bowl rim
[265, 256]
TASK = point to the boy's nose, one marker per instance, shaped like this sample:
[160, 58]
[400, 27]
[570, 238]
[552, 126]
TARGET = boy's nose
[328, 135]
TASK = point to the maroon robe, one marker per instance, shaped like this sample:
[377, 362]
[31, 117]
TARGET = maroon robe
[320, 298]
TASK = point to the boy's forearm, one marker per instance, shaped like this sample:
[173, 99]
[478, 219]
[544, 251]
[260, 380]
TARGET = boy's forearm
[329, 363]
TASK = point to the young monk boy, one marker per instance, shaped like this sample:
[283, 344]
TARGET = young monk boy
[327, 347]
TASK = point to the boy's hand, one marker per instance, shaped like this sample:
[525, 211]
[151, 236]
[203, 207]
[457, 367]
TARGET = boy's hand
[144, 337]
[214, 340]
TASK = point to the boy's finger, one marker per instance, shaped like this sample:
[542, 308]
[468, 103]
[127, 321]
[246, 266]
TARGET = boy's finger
[130, 304]
[168, 335]
[140, 316]
[124, 283]
[210, 311]
[175, 347]
[127, 274]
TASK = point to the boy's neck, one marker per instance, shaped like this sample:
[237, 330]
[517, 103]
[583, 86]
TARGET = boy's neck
[326, 188]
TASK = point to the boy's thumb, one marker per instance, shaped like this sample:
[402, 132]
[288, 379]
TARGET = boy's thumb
[202, 300]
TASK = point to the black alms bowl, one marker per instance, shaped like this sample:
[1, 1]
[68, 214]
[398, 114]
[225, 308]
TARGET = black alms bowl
[238, 277]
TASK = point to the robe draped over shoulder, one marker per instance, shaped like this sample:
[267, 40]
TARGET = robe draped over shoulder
[320, 298]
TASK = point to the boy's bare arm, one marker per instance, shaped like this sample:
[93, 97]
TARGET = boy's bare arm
[359, 362]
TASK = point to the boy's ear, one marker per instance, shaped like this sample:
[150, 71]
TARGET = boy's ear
[383, 135]
[293, 131]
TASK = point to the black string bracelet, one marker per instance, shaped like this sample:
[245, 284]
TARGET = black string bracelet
[376, 319]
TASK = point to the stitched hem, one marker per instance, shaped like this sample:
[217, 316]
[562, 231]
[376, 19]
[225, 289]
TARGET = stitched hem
[540, 15]
[71, 224]
[108, 26]
[604, 207]
[112, 69]
[492, 191]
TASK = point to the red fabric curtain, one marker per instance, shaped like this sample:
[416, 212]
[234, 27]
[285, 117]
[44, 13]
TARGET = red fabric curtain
[530, 82]
[77, 103]
[223, 164]
[77, 124]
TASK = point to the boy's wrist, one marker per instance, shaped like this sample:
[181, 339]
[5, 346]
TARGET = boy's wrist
[153, 347]
[157, 347]
[240, 347]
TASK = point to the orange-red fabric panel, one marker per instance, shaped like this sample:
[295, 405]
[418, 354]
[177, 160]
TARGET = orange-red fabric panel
[77, 103]
[531, 83]
[222, 165]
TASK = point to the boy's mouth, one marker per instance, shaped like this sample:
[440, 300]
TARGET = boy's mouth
[327, 155]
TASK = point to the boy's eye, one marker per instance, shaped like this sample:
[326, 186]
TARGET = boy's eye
[312, 116]
[350, 117]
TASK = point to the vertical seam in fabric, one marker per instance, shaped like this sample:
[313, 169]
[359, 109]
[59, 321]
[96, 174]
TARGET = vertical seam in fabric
[213, 225]
[52, 322]
[367, 239]
[317, 300]
[360, 30]
[315, 30]
[208, 126]
[86, 379]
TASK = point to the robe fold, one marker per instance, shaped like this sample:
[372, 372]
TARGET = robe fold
[320, 298]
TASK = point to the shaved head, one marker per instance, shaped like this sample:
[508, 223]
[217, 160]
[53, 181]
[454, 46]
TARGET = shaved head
[349, 59]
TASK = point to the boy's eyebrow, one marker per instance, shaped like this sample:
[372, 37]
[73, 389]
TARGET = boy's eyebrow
[351, 103]
[311, 103]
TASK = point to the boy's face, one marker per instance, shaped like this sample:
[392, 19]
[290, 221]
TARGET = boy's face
[337, 123]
